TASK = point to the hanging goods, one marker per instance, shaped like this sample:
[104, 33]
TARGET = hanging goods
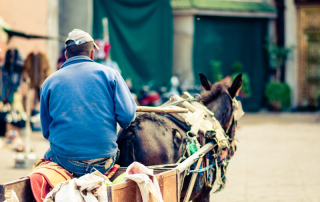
[11, 74]
[37, 68]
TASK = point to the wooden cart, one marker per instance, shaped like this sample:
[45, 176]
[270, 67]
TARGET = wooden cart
[170, 179]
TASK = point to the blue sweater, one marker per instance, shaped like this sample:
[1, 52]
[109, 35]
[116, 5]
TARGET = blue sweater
[79, 107]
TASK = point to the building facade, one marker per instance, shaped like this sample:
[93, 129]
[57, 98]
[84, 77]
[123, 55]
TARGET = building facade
[303, 66]
[226, 32]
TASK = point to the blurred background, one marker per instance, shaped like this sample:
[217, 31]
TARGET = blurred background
[159, 47]
[274, 43]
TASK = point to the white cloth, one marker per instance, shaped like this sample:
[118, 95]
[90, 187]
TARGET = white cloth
[88, 188]
[12, 196]
[146, 181]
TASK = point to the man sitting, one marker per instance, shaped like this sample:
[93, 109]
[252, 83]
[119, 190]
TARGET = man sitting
[80, 106]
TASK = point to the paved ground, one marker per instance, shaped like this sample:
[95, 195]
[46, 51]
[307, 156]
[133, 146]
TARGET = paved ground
[7, 162]
[277, 159]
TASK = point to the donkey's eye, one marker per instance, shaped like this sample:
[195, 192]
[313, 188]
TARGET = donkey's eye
[177, 140]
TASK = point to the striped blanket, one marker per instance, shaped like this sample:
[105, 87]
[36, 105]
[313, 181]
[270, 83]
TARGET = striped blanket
[45, 176]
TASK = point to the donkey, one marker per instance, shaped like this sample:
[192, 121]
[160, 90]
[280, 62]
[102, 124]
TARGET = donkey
[153, 139]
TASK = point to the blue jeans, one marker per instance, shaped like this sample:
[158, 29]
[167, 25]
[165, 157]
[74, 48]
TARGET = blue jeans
[79, 168]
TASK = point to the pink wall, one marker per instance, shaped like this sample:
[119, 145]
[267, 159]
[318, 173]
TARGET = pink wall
[29, 16]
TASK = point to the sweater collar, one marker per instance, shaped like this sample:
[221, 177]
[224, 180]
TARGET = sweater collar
[76, 59]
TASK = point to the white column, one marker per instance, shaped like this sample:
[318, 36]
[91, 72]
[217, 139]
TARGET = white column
[53, 30]
[292, 63]
[183, 48]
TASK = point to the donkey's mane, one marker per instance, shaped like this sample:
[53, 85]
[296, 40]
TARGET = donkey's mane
[152, 117]
[136, 124]
[216, 90]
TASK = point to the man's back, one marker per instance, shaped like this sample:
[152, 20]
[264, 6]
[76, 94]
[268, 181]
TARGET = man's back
[80, 105]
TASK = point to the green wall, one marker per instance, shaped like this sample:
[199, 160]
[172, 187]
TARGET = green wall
[228, 39]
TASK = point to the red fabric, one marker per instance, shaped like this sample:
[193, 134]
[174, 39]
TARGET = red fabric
[40, 187]
[224, 155]
[112, 171]
[45, 176]
[150, 98]
[106, 49]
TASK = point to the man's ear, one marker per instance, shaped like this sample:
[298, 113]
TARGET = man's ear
[206, 85]
[66, 55]
[92, 54]
[236, 86]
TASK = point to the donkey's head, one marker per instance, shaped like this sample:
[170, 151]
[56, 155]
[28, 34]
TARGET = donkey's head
[218, 98]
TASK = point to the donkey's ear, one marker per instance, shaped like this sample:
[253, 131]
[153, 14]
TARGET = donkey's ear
[236, 86]
[206, 85]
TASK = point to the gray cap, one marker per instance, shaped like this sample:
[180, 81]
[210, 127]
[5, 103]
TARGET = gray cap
[79, 37]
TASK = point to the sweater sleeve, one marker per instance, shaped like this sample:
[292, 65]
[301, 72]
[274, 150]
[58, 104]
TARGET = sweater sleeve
[125, 106]
[44, 113]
